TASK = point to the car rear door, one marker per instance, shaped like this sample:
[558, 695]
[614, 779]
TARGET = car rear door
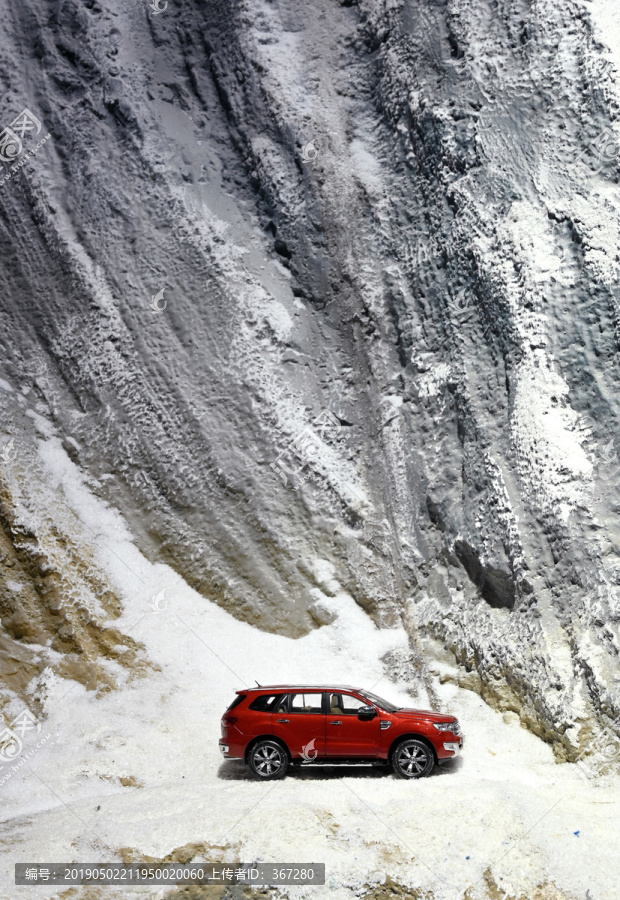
[346, 735]
[299, 719]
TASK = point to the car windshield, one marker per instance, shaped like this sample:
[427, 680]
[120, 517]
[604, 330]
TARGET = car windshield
[379, 701]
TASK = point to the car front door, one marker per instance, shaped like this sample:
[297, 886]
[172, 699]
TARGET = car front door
[347, 735]
[299, 719]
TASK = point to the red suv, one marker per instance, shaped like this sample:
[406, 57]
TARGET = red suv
[272, 727]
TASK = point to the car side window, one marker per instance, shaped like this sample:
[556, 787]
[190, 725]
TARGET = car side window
[334, 704]
[306, 703]
[236, 702]
[282, 704]
[263, 703]
[351, 705]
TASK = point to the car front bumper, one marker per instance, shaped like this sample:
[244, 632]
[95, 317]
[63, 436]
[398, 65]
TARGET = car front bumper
[453, 747]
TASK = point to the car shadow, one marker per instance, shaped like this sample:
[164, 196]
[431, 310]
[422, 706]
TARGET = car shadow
[235, 770]
[448, 768]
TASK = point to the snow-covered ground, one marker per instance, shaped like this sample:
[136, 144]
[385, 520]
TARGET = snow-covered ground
[504, 808]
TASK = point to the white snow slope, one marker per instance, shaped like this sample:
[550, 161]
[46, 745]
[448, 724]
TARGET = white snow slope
[505, 806]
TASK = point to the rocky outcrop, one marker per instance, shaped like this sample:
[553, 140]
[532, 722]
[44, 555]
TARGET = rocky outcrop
[56, 606]
[325, 296]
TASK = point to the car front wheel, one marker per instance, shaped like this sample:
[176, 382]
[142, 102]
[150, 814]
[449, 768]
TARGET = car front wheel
[268, 760]
[412, 759]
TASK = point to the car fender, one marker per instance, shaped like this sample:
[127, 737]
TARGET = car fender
[411, 735]
[266, 737]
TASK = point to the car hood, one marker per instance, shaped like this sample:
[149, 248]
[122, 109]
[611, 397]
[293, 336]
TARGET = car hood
[427, 714]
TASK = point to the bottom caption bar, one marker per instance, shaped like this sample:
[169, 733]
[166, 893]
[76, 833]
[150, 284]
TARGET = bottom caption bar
[201, 873]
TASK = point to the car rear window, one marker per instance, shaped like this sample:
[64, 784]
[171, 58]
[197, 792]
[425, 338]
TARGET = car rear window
[264, 702]
[236, 701]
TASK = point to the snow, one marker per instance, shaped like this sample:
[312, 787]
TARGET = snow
[605, 17]
[14, 585]
[367, 168]
[504, 804]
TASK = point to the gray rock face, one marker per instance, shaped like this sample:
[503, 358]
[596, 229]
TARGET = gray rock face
[385, 355]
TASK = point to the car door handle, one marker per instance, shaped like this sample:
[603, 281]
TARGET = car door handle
[283, 720]
[336, 722]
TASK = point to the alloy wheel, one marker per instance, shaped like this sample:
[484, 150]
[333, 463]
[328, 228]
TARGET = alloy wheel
[268, 760]
[412, 759]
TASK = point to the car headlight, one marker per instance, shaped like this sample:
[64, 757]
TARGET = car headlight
[452, 727]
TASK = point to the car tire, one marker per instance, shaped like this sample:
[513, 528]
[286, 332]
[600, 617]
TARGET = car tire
[412, 759]
[268, 760]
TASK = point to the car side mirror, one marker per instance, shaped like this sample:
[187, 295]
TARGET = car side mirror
[366, 712]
